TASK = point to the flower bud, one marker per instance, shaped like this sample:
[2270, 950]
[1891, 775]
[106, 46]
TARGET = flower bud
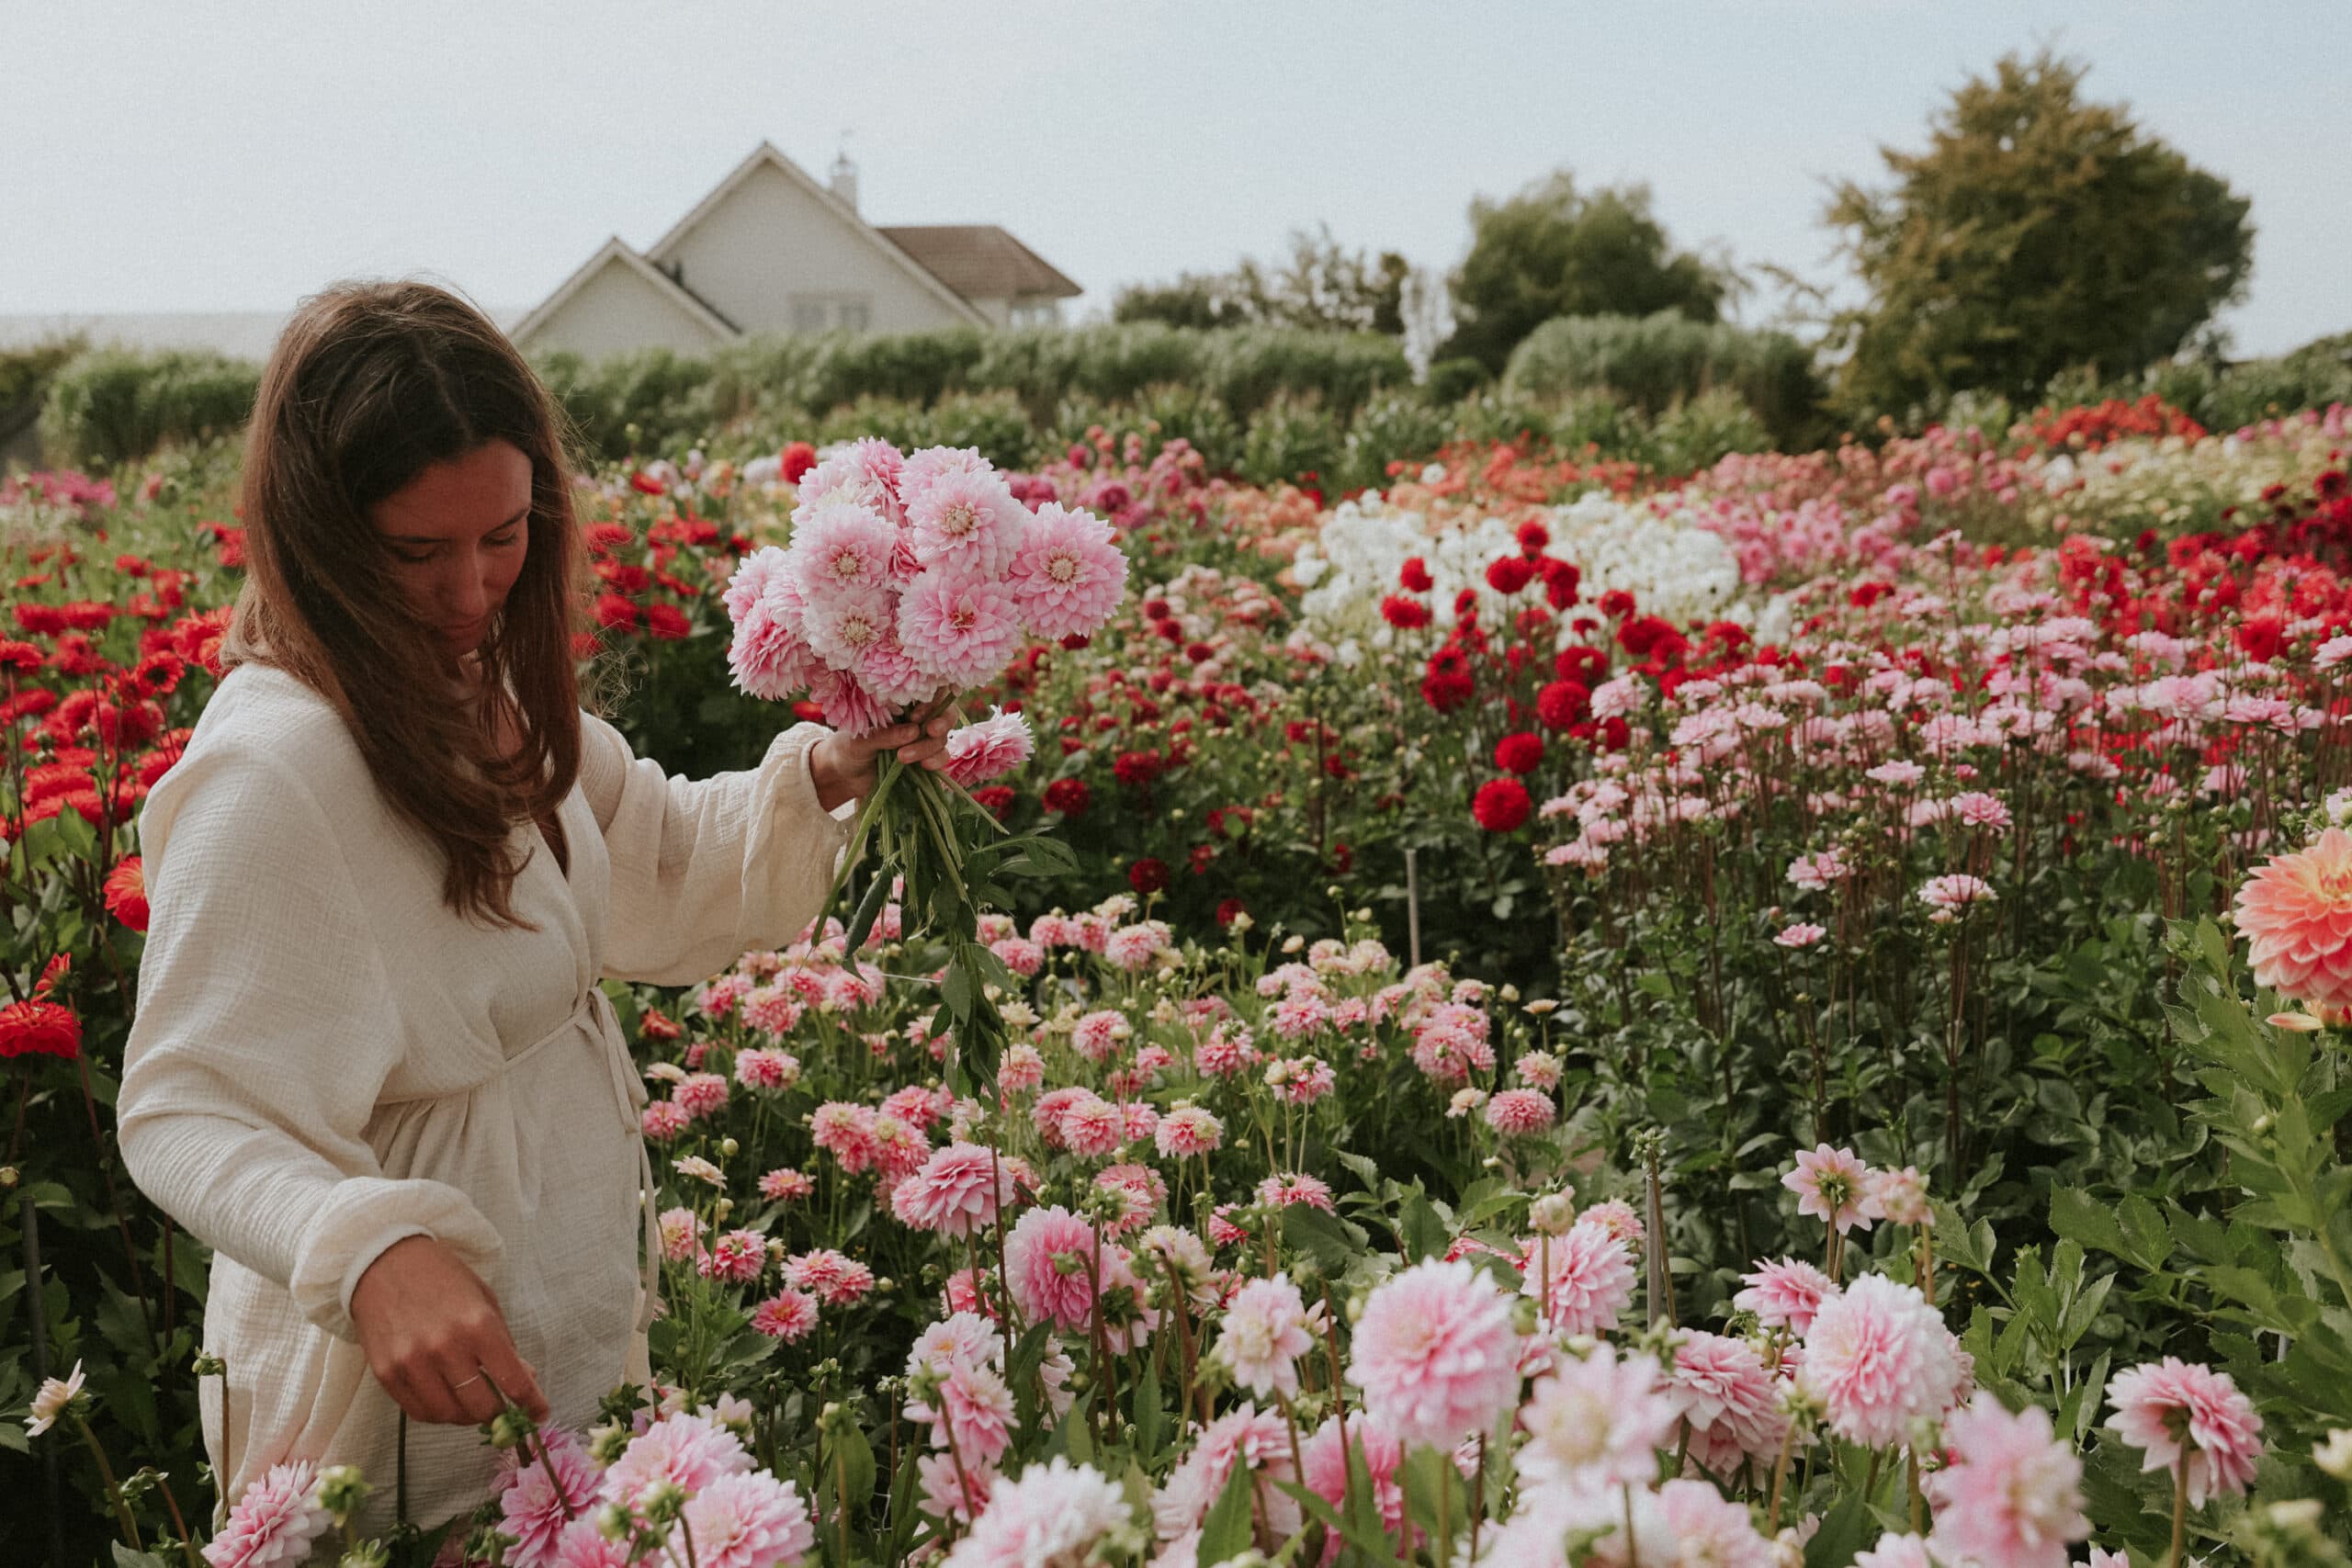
[367, 1555]
[207, 1365]
[509, 1427]
[613, 1523]
[605, 1443]
[729, 1147]
[2334, 1457]
[1553, 1213]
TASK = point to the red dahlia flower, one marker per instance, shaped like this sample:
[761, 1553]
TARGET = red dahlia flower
[1502, 806]
[40, 1029]
[126, 893]
[1521, 754]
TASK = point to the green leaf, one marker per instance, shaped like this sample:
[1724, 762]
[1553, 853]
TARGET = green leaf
[126, 1558]
[1331, 1241]
[1425, 1233]
[2077, 1215]
[1844, 1532]
[853, 1451]
[1225, 1534]
[1150, 1414]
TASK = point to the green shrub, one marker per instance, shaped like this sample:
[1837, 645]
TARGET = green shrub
[1394, 426]
[1598, 424]
[1293, 437]
[1451, 380]
[654, 401]
[24, 375]
[915, 367]
[1494, 415]
[1249, 366]
[903, 423]
[1654, 361]
[1169, 408]
[994, 421]
[112, 404]
[1696, 434]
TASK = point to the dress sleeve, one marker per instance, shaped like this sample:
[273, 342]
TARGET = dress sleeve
[705, 870]
[267, 1027]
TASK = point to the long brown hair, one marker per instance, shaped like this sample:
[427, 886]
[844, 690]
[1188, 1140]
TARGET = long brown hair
[369, 385]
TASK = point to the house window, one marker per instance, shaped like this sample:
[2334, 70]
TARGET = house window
[830, 312]
[1035, 313]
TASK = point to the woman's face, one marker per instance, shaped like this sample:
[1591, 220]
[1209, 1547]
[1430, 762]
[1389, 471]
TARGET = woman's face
[458, 533]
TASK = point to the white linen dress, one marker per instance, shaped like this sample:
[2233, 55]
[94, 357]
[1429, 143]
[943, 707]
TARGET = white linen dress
[326, 1059]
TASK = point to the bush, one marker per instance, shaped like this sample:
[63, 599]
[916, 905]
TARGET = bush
[1291, 439]
[1394, 426]
[650, 401]
[24, 375]
[1696, 434]
[1495, 415]
[904, 424]
[112, 404]
[1600, 423]
[1655, 361]
[1249, 368]
[1451, 380]
[993, 422]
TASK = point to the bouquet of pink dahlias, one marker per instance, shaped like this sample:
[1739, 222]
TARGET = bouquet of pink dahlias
[910, 579]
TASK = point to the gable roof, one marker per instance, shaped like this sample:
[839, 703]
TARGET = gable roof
[766, 155]
[980, 261]
[617, 251]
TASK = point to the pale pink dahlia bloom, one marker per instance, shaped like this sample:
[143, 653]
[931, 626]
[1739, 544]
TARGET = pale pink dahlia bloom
[1591, 1278]
[744, 1521]
[1258, 1439]
[686, 1450]
[988, 748]
[768, 655]
[788, 1316]
[2013, 1493]
[1720, 1385]
[1519, 1112]
[959, 629]
[968, 522]
[2156, 1402]
[2295, 915]
[867, 472]
[1896, 1552]
[970, 1404]
[529, 1509]
[841, 551]
[1044, 1244]
[1051, 1515]
[1265, 1333]
[582, 1545]
[1325, 1457]
[1879, 1358]
[751, 579]
[1068, 574]
[1436, 1353]
[1785, 1294]
[962, 1338]
[1834, 1187]
[926, 466]
[1596, 1422]
[1710, 1529]
[844, 630]
[848, 704]
[273, 1525]
[958, 1191]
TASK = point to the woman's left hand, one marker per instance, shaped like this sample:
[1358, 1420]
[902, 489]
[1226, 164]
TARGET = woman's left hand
[845, 768]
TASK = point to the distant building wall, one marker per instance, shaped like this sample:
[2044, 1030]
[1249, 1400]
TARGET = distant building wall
[618, 311]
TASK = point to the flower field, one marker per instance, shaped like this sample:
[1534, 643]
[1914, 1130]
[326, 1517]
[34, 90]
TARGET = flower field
[1792, 1013]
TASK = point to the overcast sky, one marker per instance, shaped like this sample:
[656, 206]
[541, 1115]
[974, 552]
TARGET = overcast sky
[235, 155]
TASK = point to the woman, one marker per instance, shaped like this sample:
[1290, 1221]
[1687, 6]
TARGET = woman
[371, 1064]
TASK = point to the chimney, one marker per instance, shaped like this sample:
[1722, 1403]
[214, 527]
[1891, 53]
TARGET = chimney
[844, 180]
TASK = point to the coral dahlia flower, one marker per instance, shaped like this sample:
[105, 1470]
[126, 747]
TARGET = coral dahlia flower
[2296, 914]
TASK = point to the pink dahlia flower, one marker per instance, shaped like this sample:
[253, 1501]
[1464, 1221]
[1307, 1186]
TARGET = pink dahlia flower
[1186, 1131]
[1785, 1294]
[1897, 1552]
[1264, 1334]
[969, 1410]
[1436, 1353]
[2157, 1401]
[1710, 1527]
[2295, 915]
[273, 1525]
[958, 629]
[1834, 1187]
[582, 1545]
[686, 1450]
[848, 704]
[865, 471]
[989, 748]
[1245, 1435]
[2013, 1493]
[769, 656]
[958, 1191]
[1591, 1278]
[1879, 1358]
[1046, 1261]
[789, 1314]
[1596, 1422]
[1052, 1515]
[1720, 1386]
[1070, 573]
[530, 1510]
[967, 522]
[1519, 1112]
[841, 551]
[927, 466]
[751, 579]
[746, 1520]
[1326, 1455]
[843, 629]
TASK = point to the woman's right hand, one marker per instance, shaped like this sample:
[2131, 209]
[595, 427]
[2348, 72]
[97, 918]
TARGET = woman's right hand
[436, 1339]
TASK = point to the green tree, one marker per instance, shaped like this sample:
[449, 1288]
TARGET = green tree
[2036, 233]
[1553, 251]
[1322, 286]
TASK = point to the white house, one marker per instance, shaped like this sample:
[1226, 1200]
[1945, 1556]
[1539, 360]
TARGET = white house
[772, 251]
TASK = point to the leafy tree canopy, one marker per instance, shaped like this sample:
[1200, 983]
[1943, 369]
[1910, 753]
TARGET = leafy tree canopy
[1322, 285]
[1553, 251]
[2036, 233]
